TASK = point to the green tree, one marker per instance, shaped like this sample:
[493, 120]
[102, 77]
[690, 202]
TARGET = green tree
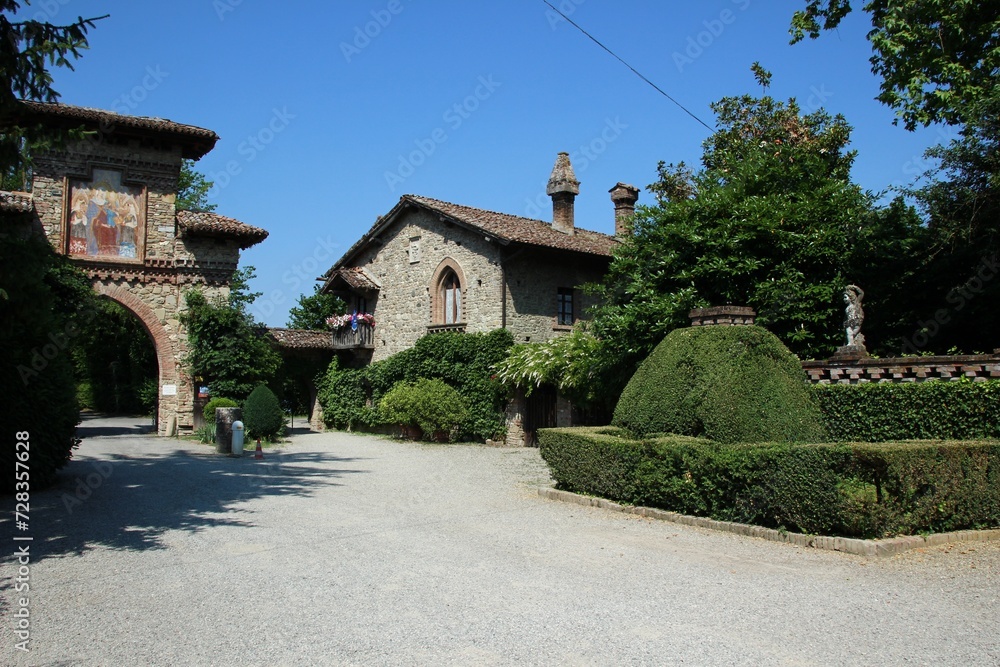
[935, 57]
[228, 349]
[953, 301]
[313, 310]
[193, 189]
[43, 300]
[772, 220]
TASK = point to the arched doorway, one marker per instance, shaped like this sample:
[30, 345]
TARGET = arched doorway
[115, 363]
[168, 403]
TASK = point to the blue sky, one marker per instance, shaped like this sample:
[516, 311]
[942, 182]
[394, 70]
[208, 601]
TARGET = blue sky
[329, 111]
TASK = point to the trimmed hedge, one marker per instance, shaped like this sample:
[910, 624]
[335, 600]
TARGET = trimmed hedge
[350, 397]
[882, 412]
[729, 384]
[857, 490]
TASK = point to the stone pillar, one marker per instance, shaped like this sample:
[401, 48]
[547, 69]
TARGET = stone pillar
[224, 418]
[514, 419]
[316, 418]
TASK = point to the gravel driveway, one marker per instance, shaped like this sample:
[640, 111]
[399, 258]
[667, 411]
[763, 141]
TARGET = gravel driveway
[354, 550]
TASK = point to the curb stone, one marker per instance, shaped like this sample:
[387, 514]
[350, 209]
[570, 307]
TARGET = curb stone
[885, 547]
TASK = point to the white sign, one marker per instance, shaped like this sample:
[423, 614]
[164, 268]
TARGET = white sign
[169, 390]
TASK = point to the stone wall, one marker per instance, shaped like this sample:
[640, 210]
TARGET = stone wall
[903, 369]
[403, 308]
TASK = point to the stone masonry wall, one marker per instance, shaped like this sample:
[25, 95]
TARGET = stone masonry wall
[403, 310]
[533, 283]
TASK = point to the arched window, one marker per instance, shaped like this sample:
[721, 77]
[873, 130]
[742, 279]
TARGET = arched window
[447, 298]
[451, 297]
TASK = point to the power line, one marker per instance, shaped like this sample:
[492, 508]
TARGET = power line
[637, 73]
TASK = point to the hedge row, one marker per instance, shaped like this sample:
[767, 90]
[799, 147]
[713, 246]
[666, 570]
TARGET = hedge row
[858, 490]
[350, 397]
[887, 412]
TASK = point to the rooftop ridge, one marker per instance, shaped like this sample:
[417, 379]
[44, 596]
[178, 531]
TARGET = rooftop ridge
[424, 198]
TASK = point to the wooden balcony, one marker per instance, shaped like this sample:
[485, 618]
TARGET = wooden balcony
[362, 338]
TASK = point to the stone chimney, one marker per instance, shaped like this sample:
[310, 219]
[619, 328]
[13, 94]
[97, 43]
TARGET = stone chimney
[624, 197]
[563, 188]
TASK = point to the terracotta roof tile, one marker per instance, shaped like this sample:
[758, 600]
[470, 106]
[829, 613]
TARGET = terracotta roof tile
[356, 278]
[302, 339]
[15, 202]
[504, 227]
[196, 140]
[521, 230]
[192, 223]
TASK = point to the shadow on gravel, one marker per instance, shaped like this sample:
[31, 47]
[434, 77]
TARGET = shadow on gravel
[84, 431]
[129, 503]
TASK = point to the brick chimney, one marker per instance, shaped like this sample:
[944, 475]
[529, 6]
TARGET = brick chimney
[563, 188]
[624, 197]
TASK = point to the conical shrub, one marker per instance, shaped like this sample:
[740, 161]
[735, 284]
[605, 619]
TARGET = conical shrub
[262, 414]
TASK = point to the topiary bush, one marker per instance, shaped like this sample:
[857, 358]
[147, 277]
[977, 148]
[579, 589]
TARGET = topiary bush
[728, 384]
[430, 404]
[262, 414]
[219, 402]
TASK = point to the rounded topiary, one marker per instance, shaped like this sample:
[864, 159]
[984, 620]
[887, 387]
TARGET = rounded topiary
[219, 402]
[726, 383]
[262, 414]
[430, 404]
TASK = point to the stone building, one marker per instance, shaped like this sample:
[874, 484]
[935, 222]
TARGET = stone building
[430, 266]
[108, 201]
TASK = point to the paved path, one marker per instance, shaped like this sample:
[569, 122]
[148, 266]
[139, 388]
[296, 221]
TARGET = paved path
[354, 550]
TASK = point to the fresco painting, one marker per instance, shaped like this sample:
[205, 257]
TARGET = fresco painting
[106, 217]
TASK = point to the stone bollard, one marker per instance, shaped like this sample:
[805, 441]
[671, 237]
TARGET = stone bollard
[224, 418]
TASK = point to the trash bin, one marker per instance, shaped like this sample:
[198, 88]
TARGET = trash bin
[237, 438]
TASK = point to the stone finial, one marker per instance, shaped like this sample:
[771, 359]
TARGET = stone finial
[563, 188]
[722, 316]
[624, 197]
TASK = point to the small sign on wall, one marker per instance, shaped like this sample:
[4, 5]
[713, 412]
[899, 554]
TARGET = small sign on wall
[169, 390]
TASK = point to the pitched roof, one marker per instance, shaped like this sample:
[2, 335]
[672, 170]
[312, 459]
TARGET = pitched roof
[15, 202]
[356, 278]
[503, 227]
[191, 223]
[302, 339]
[195, 141]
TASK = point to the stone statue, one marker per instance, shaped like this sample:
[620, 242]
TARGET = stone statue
[855, 316]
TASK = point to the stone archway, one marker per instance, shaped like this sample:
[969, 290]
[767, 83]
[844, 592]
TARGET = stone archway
[109, 202]
[168, 357]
